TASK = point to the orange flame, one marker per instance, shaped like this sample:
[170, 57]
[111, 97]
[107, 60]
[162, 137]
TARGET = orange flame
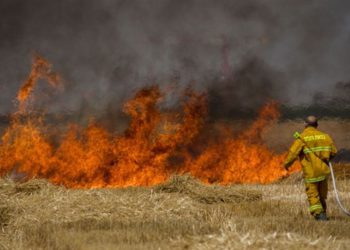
[41, 69]
[155, 146]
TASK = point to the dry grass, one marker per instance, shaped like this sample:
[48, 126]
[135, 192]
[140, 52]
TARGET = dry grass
[180, 214]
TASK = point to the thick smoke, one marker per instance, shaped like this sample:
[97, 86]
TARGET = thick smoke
[243, 52]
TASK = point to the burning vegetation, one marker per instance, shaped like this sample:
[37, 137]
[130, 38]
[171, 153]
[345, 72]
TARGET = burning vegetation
[156, 145]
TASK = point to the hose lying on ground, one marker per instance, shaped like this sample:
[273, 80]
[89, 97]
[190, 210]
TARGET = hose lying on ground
[336, 191]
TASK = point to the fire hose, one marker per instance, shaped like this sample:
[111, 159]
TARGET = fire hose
[341, 206]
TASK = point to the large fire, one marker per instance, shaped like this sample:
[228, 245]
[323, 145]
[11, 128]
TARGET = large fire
[156, 145]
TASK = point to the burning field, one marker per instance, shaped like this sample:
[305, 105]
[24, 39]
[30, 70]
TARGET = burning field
[166, 124]
[156, 145]
[172, 179]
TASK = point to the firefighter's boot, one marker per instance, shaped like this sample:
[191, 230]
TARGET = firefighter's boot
[321, 217]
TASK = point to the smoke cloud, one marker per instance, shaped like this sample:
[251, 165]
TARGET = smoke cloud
[243, 52]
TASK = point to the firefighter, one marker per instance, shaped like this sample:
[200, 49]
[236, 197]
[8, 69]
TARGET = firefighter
[314, 149]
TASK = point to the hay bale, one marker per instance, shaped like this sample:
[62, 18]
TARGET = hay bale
[8, 186]
[179, 184]
[33, 186]
[207, 194]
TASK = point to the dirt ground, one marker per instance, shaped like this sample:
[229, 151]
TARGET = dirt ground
[180, 214]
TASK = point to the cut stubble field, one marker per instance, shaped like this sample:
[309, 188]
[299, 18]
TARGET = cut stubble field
[180, 214]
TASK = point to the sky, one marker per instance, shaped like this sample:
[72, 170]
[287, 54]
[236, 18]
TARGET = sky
[243, 53]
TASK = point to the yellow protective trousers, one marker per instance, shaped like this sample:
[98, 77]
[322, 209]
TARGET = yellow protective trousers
[317, 194]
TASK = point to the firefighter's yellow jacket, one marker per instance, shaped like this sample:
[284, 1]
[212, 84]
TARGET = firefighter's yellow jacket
[314, 149]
